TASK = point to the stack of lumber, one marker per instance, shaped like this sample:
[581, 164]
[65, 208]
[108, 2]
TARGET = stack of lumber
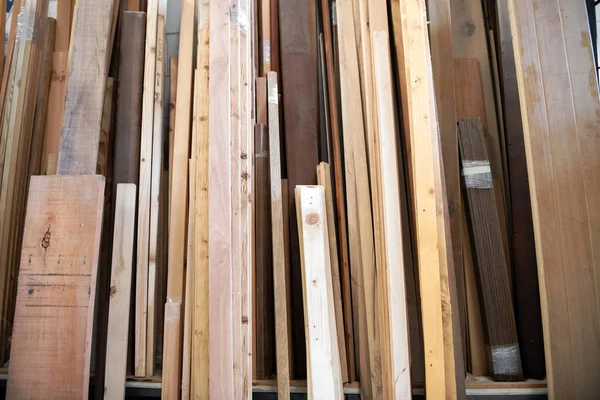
[377, 194]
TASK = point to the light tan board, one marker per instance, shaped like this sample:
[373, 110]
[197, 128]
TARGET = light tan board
[324, 375]
[324, 179]
[156, 170]
[179, 196]
[144, 187]
[560, 109]
[57, 287]
[280, 255]
[200, 341]
[120, 292]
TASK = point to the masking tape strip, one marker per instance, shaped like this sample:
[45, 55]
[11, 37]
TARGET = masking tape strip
[506, 359]
[477, 174]
[172, 310]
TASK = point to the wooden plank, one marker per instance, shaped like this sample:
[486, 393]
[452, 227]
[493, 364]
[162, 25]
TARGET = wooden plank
[9, 52]
[443, 370]
[87, 74]
[275, 62]
[3, 30]
[443, 75]
[177, 223]
[155, 185]
[144, 188]
[63, 24]
[261, 101]
[527, 294]
[57, 286]
[220, 307]
[120, 292]
[560, 107]
[200, 339]
[494, 281]
[106, 129]
[324, 375]
[133, 5]
[264, 9]
[41, 105]
[324, 179]
[172, 105]
[56, 102]
[282, 334]
[356, 153]
[288, 273]
[264, 329]
[298, 42]
[129, 99]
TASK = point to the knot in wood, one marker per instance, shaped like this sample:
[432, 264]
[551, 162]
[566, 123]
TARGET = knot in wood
[312, 219]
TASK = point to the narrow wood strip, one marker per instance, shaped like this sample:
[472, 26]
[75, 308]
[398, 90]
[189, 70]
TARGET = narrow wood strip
[560, 107]
[324, 179]
[324, 376]
[221, 385]
[87, 74]
[155, 187]
[282, 334]
[120, 291]
[200, 339]
[3, 30]
[63, 24]
[264, 10]
[9, 52]
[172, 107]
[179, 195]
[288, 273]
[261, 101]
[493, 276]
[144, 188]
[53, 296]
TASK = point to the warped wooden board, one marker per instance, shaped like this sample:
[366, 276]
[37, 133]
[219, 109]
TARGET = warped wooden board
[443, 358]
[356, 153]
[324, 179]
[144, 188]
[129, 99]
[280, 278]
[298, 43]
[57, 287]
[41, 106]
[200, 339]
[56, 102]
[85, 89]
[522, 241]
[120, 292]
[220, 307]
[179, 197]
[323, 362]
[155, 185]
[495, 284]
[560, 108]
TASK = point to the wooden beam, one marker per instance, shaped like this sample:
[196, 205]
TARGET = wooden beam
[179, 195]
[282, 335]
[560, 106]
[324, 179]
[57, 288]
[324, 375]
[120, 291]
[172, 106]
[85, 90]
[200, 339]
[491, 260]
[63, 24]
[443, 354]
[264, 9]
[301, 110]
[220, 307]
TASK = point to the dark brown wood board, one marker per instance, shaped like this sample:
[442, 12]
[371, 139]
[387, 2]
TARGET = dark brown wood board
[494, 282]
[51, 341]
[298, 51]
[85, 91]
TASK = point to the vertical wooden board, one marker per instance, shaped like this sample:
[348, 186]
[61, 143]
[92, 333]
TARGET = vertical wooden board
[282, 334]
[85, 90]
[300, 109]
[120, 292]
[288, 274]
[264, 9]
[200, 338]
[172, 106]
[129, 99]
[527, 294]
[106, 134]
[2, 29]
[324, 179]
[560, 108]
[63, 24]
[57, 286]
[144, 187]
[219, 198]
[56, 102]
[179, 196]
[324, 378]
